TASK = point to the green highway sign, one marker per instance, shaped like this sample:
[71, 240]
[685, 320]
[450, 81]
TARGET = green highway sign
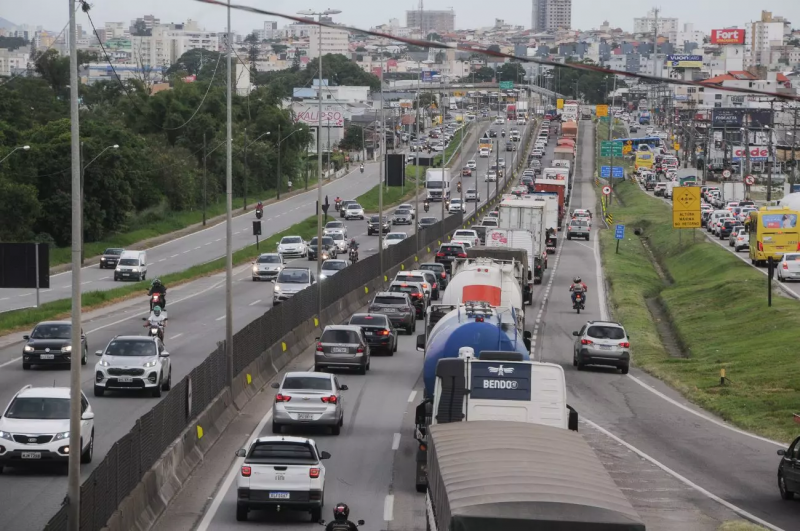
[506, 85]
[606, 148]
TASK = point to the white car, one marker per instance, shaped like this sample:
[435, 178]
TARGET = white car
[334, 227]
[538, 153]
[393, 238]
[292, 247]
[133, 363]
[34, 428]
[281, 471]
[456, 206]
[353, 211]
[471, 164]
[267, 266]
[408, 206]
[484, 153]
[472, 195]
[520, 121]
[466, 243]
[500, 120]
[467, 235]
[331, 267]
[491, 176]
[502, 163]
[340, 240]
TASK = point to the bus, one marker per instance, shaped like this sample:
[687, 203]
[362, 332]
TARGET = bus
[486, 142]
[649, 141]
[773, 232]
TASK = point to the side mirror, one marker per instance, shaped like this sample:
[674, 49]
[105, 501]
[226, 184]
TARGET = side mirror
[26, 337]
[321, 522]
[572, 423]
[325, 455]
[241, 453]
[575, 333]
[87, 416]
[98, 352]
[275, 385]
[316, 339]
[361, 522]
[164, 354]
[781, 452]
[343, 387]
[421, 343]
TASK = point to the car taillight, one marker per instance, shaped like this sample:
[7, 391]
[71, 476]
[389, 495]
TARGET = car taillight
[383, 333]
[425, 285]
[760, 246]
[462, 255]
[319, 347]
[313, 472]
[444, 275]
[440, 255]
[329, 399]
[416, 295]
[434, 285]
[586, 342]
[625, 344]
[360, 349]
[785, 265]
[282, 398]
[246, 471]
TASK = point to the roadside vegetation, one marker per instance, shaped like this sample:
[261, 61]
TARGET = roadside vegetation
[716, 313]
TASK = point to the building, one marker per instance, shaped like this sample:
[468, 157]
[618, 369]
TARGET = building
[551, 15]
[689, 34]
[666, 25]
[116, 30]
[429, 21]
[148, 22]
[168, 42]
[13, 61]
[765, 34]
[334, 41]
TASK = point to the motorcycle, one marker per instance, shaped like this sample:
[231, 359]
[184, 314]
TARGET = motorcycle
[362, 169]
[358, 524]
[156, 329]
[427, 206]
[337, 205]
[459, 187]
[353, 256]
[579, 302]
[156, 299]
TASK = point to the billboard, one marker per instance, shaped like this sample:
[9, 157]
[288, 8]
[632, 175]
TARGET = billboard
[727, 36]
[735, 117]
[428, 75]
[779, 221]
[308, 113]
[757, 153]
[685, 61]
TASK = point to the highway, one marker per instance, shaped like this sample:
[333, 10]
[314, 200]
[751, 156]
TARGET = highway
[197, 322]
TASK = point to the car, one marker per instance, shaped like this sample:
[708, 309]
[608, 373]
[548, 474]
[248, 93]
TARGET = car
[342, 347]
[468, 235]
[456, 206]
[491, 176]
[726, 227]
[789, 471]
[490, 221]
[432, 279]
[331, 267]
[267, 266]
[281, 471]
[133, 363]
[520, 121]
[340, 241]
[538, 153]
[483, 153]
[50, 343]
[578, 228]
[582, 213]
[789, 267]
[398, 308]
[402, 216]
[471, 164]
[374, 222]
[438, 270]
[419, 277]
[502, 164]
[510, 146]
[131, 265]
[334, 227]
[602, 343]
[343, 206]
[35, 428]
[308, 399]
[291, 280]
[466, 172]
[378, 329]
[448, 252]
[659, 189]
[492, 133]
[393, 238]
[353, 211]
[499, 120]
[410, 207]
[329, 248]
[110, 257]
[292, 247]
[415, 292]
[739, 239]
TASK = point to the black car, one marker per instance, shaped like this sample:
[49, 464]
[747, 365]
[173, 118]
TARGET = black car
[438, 270]
[110, 258]
[415, 293]
[50, 343]
[374, 221]
[449, 252]
[328, 247]
[509, 146]
[726, 227]
[427, 222]
[378, 330]
[492, 133]
[789, 471]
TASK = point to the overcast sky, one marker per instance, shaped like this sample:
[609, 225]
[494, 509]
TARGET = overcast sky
[586, 14]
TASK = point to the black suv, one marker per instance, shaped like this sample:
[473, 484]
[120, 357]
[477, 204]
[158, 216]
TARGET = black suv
[726, 227]
[378, 331]
[438, 270]
[374, 221]
[110, 258]
[449, 252]
[492, 133]
[415, 294]
[48, 344]
[789, 470]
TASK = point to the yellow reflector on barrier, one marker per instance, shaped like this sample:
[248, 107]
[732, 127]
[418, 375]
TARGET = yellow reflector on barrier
[316, 321]
[385, 278]
[249, 379]
[199, 431]
[416, 259]
[403, 267]
[366, 289]
[283, 346]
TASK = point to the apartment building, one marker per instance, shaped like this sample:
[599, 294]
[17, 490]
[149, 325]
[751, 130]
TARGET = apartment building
[334, 41]
[645, 24]
[439, 21]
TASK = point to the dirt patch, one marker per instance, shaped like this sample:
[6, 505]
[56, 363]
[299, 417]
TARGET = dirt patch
[666, 332]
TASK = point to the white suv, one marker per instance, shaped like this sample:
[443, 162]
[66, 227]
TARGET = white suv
[35, 427]
[133, 362]
[468, 235]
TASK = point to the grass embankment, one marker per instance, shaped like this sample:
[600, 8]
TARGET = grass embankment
[392, 195]
[719, 317]
[24, 319]
[740, 525]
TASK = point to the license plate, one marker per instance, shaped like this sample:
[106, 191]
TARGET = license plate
[305, 416]
[389, 310]
[31, 455]
[604, 347]
[46, 356]
[367, 333]
[126, 274]
[339, 350]
[125, 379]
[278, 495]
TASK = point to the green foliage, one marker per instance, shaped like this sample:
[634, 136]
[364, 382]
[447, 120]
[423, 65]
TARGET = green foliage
[353, 139]
[592, 86]
[482, 75]
[511, 72]
[336, 68]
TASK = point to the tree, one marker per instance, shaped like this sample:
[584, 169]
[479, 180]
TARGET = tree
[279, 48]
[483, 75]
[361, 49]
[512, 71]
[193, 62]
[18, 211]
[140, 29]
[439, 57]
[433, 36]
[493, 48]
[353, 139]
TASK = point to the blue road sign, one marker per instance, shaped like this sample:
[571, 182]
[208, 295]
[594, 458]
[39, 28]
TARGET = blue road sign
[605, 171]
[619, 172]
[619, 232]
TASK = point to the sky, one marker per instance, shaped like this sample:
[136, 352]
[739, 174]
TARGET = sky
[586, 14]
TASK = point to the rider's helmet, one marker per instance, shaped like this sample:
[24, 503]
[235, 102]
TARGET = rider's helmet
[156, 282]
[341, 512]
[157, 310]
[577, 280]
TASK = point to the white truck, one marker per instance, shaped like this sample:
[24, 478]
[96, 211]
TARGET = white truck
[527, 214]
[562, 163]
[437, 183]
[570, 111]
[518, 239]
[550, 200]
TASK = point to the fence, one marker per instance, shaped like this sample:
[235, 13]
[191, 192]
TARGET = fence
[134, 454]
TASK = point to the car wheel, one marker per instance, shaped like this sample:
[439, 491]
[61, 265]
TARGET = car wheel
[580, 365]
[574, 360]
[241, 513]
[785, 494]
[316, 514]
[255, 279]
[396, 341]
[569, 237]
[369, 361]
[86, 455]
[336, 430]
[168, 384]
[587, 238]
[156, 391]
[84, 358]
[625, 368]
[276, 428]
[99, 391]
[317, 368]
[26, 366]
[362, 370]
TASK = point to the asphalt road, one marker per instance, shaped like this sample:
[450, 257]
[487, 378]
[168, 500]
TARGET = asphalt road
[197, 322]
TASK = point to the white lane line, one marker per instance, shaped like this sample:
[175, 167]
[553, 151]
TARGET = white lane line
[176, 336]
[162, 259]
[208, 243]
[388, 508]
[105, 277]
[218, 240]
[741, 512]
[9, 362]
[196, 248]
[5, 298]
[256, 302]
[187, 251]
[173, 256]
[25, 294]
[396, 441]
[220, 318]
[412, 396]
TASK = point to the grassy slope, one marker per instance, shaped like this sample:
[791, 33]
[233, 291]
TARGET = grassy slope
[719, 311]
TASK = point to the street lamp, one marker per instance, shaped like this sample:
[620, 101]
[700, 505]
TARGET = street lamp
[319, 14]
[280, 143]
[244, 179]
[83, 193]
[24, 148]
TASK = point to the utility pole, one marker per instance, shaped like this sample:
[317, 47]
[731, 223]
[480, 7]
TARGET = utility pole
[74, 464]
[278, 184]
[204, 178]
[244, 178]
[794, 143]
[381, 164]
[229, 213]
[416, 168]
[770, 160]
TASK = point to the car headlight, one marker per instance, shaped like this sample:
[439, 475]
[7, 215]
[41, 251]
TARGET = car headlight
[277, 288]
[28, 348]
[63, 435]
[5, 435]
[255, 269]
[118, 268]
[104, 363]
[68, 348]
[102, 259]
[151, 363]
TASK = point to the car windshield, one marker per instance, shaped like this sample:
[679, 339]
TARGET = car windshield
[307, 382]
[269, 259]
[353, 206]
[373, 320]
[326, 240]
[292, 239]
[334, 225]
[131, 348]
[335, 265]
[337, 236]
[129, 261]
[52, 331]
[293, 276]
[436, 268]
[452, 248]
[791, 257]
[43, 408]
[463, 233]
[339, 336]
[389, 300]
[579, 223]
[115, 252]
[428, 221]
[471, 191]
[402, 212]
[283, 452]
[404, 289]
[395, 236]
[606, 332]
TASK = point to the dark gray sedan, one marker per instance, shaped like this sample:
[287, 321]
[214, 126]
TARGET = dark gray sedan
[398, 308]
[378, 330]
[50, 343]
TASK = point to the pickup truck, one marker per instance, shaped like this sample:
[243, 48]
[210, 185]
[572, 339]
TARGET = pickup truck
[280, 472]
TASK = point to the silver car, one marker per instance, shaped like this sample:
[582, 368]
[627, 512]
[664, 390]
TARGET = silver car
[334, 227]
[353, 211]
[602, 343]
[331, 267]
[578, 228]
[340, 241]
[267, 266]
[342, 347]
[789, 267]
[308, 399]
[402, 216]
[291, 280]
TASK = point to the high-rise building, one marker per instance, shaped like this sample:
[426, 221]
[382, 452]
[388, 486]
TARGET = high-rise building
[765, 33]
[551, 15]
[666, 25]
[429, 21]
[334, 41]
[116, 30]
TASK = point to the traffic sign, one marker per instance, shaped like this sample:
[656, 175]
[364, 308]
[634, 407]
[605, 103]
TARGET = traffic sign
[618, 172]
[602, 110]
[506, 85]
[686, 199]
[626, 149]
[606, 190]
[559, 103]
[619, 232]
[750, 180]
[607, 147]
[685, 219]
[676, 146]
[726, 173]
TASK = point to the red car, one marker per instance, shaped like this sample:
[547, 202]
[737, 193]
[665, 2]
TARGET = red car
[466, 172]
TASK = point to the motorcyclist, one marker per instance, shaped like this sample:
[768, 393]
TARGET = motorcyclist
[353, 244]
[340, 522]
[426, 205]
[362, 168]
[159, 319]
[260, 206]
[337, 203]
[578, 287]
[459, 186]
[161, 289]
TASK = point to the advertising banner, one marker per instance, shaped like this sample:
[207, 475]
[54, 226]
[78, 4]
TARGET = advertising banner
[779, 221]
[332, 115]
[735, 117]
[685, 61]
[500, 381]
[757, 153]
[727, 36]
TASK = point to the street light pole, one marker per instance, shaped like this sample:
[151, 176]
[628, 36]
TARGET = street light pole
[229, 212]
[280, 149]
[25, 148]
[244, 178]
[381, 164]
[83, 194]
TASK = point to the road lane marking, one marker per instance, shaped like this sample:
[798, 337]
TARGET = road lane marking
[388, 508]
[162, 259]
[105, 277]
[221, 318]
[5, 298]
[412, 396]
[173, 256]
[741, 512]
[396, 441]
[207, 243]
[9, 362]
[187, 251]
[176, 336]
[254, 302]
[25, 294]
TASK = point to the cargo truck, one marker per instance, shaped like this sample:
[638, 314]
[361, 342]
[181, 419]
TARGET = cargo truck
[485, 280]
[555, 180]
[513, 259]
[550, 218]
[437, 183]
[569, 129]
[523, 240]
[526, 214]
[570, 111]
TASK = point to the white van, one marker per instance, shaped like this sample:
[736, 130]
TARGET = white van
[132, 265]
